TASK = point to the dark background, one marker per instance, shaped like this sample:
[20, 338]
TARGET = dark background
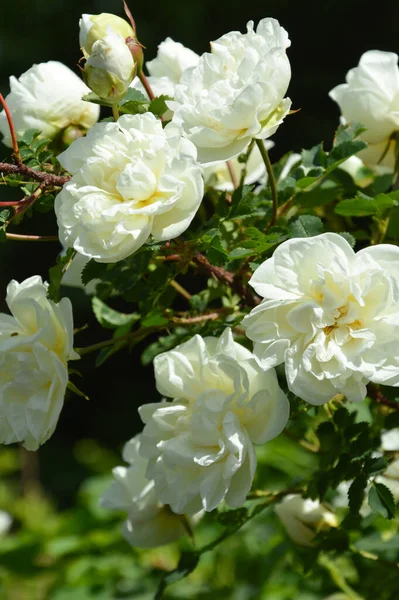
[327, 39]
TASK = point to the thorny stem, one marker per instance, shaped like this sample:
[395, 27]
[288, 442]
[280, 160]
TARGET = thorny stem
[12, 130]
[42, 176]
[228, 278]
[232, 174]
[212, 316]
[375, 393]
[146, 85]
[271, 180]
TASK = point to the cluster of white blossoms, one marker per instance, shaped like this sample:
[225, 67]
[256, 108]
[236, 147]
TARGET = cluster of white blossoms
[36, 343]
[131, 179]
[330, 315]
[48, 98]
[371, 97]
[149, 523]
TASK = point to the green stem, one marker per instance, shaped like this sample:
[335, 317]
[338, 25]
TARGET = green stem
[271, 180]
[115, 111]
[232, 174]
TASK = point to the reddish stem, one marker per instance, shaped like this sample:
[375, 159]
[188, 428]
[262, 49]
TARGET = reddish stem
[232, 174]
[31, 238]
[11, 203]
[12, 129]
[146, 85]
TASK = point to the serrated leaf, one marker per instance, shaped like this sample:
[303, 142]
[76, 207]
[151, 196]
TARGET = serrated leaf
[344, 151]
[381, 500]
[375, 465]
[362, 205]
[158, 105]
[315, 157]
[110, 318]
[92, 270]
[134, 102]
[216, 253]
[306, 226]
[347, 132]
[348, 237]
[356, 493]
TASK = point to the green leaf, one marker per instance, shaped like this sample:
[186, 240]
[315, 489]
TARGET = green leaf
[242, 202]
[348, 237]
[362, 205]
[187, 563]
[28, 136]
[233, 518]
[356, 493]
[92, 270]
[375, 465]
[110, 318]
[306, 226]
[158, 105]
[134, 102]
[5, 214]
[392, 420]
[348, 132]
[154, 319]
[315, 157]
[56, 273]
[344, 150]
[381, 500]
[216, 254]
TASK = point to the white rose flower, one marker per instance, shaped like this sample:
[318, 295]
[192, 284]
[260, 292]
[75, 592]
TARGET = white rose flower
[304, 518]
[166, 69]
[48, 97]
[171, 60]
[331, 315]
[236, 92]
[200, 445]
[35, 345]
[149, 522]
[390, 440]
[218, 176]
[371, 97]
[131, 179]
[5, 522]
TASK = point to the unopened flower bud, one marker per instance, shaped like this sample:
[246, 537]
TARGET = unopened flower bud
[110, 67]
[96, 27]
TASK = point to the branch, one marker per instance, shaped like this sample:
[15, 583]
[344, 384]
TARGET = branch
[232, 174]
[146, 85]
[375, 393]
[42, 176]
[224, 276]
[31, 238]
[12, 130]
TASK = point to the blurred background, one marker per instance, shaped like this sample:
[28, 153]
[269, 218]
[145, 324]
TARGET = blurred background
[327, 38]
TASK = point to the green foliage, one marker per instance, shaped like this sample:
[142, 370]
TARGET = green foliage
[381, 500]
